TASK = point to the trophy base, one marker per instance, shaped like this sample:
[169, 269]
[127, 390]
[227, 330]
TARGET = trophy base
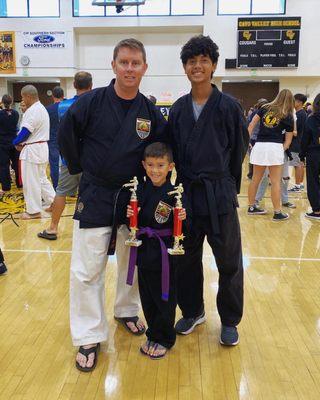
[133, 242]
[176, 252]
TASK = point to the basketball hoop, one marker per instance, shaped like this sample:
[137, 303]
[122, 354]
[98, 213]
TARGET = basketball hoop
[119, 3]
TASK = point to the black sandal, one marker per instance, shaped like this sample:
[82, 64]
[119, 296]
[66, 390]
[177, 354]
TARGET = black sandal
[47, 235]
[86, 353]
[124, 320]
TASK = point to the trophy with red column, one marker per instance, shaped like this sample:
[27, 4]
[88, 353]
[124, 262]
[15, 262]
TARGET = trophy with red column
[133, 241]
[177, 223]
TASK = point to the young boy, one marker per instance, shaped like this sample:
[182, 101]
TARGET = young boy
[155, 230]
[210, 142]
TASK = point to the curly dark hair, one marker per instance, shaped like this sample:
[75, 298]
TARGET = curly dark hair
[199, 45]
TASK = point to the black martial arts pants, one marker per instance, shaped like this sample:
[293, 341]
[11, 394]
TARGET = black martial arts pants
[226, 248]
[159, 314]
[54, 157]
[8, 154]
[313, 179]
[1, 257]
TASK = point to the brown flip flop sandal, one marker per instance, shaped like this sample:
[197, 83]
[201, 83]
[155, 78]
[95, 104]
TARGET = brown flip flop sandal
[124, 320]
[86, 353]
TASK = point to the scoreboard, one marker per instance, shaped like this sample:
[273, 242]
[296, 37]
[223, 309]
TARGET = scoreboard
[268, 42]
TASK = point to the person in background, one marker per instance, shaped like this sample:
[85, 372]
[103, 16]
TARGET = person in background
[32, 141]
[274, 138]
[254, 135]
[67, 184]
[23, 107]
[8, 154]
[54, 155]
[295, 147]
[310, 151]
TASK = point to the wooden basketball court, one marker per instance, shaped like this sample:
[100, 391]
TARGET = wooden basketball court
[278, 357]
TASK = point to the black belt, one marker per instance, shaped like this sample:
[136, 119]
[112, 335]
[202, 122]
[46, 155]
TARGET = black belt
[207, 179]
[110, 182]
[113, 183]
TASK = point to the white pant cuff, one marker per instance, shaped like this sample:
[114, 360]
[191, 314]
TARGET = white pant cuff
[122, 313]
[91, 340]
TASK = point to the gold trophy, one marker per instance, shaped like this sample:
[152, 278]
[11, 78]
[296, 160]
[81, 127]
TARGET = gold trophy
[177, 223]
[133, 241]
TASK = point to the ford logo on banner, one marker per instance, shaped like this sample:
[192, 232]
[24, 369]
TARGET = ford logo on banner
[44, 39]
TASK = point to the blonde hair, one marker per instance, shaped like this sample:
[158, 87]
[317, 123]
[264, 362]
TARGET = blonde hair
[282, 105]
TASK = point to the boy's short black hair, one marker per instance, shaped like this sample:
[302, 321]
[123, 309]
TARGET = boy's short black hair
[199, 45]
[300, 97]
[57, 92]
[158, 150]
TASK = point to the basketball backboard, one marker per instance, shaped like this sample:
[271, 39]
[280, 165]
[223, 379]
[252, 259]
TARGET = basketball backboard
[118, 3]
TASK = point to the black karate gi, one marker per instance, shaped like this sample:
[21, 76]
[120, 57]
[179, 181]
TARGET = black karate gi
[159, 314]
[295, 145]
[98, 137]
[8, 153]
[209, 153]
[310, 149]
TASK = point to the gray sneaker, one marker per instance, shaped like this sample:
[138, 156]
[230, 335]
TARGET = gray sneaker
[186, 325]
[229, 335]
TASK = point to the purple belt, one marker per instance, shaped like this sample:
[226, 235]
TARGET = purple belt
[165, 273]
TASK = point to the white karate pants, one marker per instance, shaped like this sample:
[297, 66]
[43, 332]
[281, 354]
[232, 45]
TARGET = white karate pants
[87, 283]
[36, 186]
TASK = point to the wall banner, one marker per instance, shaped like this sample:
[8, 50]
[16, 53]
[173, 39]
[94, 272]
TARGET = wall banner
[7, 53]
[44, 40]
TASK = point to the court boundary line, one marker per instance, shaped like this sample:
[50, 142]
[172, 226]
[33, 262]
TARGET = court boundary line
[205, 256]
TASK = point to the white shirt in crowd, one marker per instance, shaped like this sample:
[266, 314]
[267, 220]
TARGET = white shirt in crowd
[36, 120]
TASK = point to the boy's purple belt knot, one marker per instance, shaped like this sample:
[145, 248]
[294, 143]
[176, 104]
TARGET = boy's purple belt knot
[165, 274]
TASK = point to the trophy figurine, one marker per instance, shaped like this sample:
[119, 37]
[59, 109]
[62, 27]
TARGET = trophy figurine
[133, 241]
[177, 223]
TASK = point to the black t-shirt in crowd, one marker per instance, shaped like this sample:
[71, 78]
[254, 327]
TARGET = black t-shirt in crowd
[273, 129]
[8, 126]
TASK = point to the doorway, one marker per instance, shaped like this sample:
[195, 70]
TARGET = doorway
[247, 93]
[44, 90]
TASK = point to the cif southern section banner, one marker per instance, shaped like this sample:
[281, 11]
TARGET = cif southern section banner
[7, 53]
[268, 42]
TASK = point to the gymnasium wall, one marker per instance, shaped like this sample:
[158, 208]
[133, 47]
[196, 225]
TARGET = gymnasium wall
[90, 42]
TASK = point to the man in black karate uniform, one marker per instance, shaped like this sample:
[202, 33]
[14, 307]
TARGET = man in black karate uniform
[104, 135]
[210, 142]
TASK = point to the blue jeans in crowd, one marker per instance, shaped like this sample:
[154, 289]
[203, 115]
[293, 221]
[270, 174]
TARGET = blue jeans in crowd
[284, 184]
